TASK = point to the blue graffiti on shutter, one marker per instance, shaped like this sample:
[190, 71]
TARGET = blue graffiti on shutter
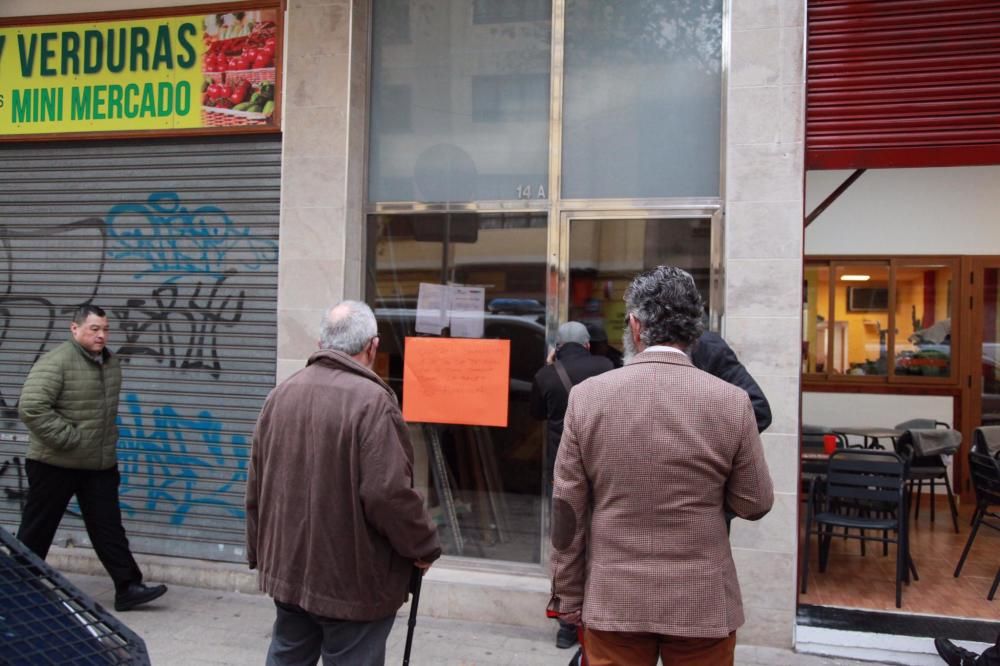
[154, 443]
[171, 238]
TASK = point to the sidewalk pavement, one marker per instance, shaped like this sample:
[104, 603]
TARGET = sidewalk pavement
[200, 627]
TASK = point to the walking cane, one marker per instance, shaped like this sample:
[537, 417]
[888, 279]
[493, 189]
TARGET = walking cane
[415, 579]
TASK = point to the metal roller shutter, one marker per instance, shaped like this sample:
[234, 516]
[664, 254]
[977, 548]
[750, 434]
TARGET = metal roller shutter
[902, 83]
[178, 242]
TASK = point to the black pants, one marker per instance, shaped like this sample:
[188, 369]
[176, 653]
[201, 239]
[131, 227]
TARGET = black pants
[50, 489]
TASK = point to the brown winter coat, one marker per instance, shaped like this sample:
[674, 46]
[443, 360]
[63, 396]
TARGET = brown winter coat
[333, 521]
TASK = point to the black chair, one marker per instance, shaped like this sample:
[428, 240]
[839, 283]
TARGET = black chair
[925, 468]
[920, 424]
[985, 473]
[863, 489]
[984, 440]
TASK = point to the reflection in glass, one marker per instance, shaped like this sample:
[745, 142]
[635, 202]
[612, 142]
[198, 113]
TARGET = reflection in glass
[815, 325]
[923, 320]
[642, 93]
[460, 106]
[604, 257]
[483, 484]
[861, 301]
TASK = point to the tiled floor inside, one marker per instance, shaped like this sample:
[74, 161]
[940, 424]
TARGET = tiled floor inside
[853, 581]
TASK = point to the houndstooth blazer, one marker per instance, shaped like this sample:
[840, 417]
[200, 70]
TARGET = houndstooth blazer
[650, 455]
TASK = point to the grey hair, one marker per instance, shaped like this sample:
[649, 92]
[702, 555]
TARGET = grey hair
[667, 305]
[572, 331]
[347, 327]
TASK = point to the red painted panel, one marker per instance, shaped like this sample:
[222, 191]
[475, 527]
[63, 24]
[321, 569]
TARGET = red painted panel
[902, 83]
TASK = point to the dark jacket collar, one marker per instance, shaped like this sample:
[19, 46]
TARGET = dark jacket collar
[572, 350]
[341, 361]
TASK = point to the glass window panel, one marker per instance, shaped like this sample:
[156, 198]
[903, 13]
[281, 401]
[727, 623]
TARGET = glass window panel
[923, 320]
[861, 301]
[815, 325]
[510, 11]
[483, 484]
[473, 124]
[605, 255]
[642, 98]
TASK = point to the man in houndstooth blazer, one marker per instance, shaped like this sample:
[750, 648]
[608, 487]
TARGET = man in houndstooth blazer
[651, 457]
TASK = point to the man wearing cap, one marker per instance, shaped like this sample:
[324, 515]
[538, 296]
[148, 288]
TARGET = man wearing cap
[599, 343]
[572, 363]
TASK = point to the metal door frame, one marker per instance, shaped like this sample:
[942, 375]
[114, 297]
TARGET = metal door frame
[557, 269]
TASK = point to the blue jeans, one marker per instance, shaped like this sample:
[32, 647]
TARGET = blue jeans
[301, 638]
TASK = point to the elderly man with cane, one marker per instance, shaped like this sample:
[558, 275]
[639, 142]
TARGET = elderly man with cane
[334, 525]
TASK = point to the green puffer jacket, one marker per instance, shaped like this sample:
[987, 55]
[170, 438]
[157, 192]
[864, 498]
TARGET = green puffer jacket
[69, 403]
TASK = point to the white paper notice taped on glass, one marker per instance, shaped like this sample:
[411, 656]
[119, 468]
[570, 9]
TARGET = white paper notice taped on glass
[432, 308]
[467, 306]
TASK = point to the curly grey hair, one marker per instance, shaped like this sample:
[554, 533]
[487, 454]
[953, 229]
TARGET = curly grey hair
[347, 327]
[667, 305]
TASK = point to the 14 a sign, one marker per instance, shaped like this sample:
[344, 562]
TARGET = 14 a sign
[171, 73]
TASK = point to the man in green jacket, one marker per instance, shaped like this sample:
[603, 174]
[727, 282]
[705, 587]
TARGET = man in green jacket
[69, 403]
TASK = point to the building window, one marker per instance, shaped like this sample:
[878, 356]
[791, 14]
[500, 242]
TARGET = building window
[395, 109]
[478, 106]
[879, 320]
[642, 99]
[483, 484]
[510, 11]
[507, 97]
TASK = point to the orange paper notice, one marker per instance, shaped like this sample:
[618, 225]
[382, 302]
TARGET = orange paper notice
[456, 380]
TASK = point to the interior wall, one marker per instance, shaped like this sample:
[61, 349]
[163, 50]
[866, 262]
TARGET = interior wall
[952, 210]
[866, 410]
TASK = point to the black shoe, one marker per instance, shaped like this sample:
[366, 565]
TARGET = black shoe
[566, 638]
[137, 594]
[955, 655]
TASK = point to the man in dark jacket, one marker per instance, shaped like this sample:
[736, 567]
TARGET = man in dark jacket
[711, 354]
[571, 364]
[69, 403]
[334, 525]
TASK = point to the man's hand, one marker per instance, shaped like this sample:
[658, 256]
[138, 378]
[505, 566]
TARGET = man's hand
[570, 618]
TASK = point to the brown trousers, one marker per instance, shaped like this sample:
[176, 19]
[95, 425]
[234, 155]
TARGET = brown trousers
[612, 648]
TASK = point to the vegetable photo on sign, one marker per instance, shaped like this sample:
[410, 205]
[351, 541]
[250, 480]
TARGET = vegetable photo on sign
[239, 68]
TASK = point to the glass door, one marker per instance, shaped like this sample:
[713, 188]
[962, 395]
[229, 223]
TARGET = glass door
[603, 252]
[981, 399]
[594, 254]
[986, 377]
